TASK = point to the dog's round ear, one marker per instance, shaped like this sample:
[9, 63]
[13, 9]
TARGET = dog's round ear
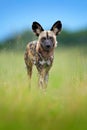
[56, 28]
[37, 28]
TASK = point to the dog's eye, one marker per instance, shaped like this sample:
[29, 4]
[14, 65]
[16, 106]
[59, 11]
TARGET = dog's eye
[44, 38]
[51, 38]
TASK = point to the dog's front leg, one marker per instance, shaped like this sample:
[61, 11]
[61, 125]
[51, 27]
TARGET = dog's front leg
[46, 79]
[43, 80]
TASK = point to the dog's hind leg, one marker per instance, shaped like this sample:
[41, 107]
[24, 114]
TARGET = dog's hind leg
[29, 66]
[29, 72]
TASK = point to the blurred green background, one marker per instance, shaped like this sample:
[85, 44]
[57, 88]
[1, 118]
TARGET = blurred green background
[65, 39]
[64, 105]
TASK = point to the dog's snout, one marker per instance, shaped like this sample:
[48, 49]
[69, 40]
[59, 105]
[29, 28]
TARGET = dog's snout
[48, 46]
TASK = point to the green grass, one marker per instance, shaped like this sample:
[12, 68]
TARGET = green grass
[63, 107]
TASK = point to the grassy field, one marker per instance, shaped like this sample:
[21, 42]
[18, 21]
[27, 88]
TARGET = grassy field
[63, 107]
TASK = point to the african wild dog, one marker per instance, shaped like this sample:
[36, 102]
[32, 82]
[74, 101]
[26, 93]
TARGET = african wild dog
[41, 52]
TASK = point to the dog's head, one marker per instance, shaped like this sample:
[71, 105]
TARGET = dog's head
[47, 39]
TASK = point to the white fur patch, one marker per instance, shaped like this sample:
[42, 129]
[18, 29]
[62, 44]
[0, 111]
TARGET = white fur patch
[56, 44]
[48, 62]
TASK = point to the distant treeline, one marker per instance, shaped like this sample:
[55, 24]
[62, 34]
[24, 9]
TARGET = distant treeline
[66, 38]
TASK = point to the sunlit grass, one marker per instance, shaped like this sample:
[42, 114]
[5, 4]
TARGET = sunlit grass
[63, 107]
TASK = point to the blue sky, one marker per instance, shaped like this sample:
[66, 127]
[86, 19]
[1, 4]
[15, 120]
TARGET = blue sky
[17, 15]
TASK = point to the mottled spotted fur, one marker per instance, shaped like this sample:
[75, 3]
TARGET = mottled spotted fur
[41, 52]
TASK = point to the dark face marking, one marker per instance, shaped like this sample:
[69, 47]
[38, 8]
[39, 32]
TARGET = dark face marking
[47, 34]
[47, 42]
